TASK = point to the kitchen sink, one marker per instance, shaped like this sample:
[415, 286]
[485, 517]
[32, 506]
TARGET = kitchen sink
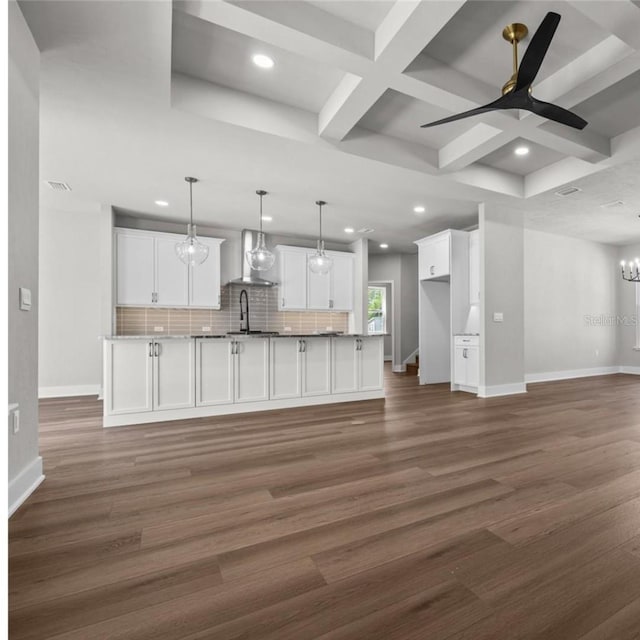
[252, 333]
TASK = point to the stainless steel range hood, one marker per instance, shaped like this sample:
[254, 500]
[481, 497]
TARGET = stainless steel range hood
[250, 277]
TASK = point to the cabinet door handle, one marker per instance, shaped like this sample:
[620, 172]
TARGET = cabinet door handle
[156, 349]
[432, 270]
[330, 304]
[464, 353]
[234, 348]
[151, 349]
[283, 302]
[304, 346]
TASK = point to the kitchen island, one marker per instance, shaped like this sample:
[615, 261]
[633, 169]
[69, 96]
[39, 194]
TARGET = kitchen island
[161, 378]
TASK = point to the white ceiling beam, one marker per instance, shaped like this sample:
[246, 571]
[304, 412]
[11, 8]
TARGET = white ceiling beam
[619, 17]
[311, 43]
[471, 146]
[407, 29]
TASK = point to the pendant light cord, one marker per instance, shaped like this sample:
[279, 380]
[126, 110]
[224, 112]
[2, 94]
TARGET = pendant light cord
[261, 213]
[191, 203]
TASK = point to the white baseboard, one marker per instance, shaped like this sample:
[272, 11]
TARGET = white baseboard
[571, 373]
[502, 390]
[388, 358]
[72, 390]
[635, 371]
[27, 481]
[399, 368]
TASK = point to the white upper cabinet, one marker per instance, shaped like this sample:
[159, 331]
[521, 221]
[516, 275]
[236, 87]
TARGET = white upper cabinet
[342, 282]
[135, 278]
[293, 278]
[474, 267]
[301, 289]
[172, 275]
[434, 257]
[149, 272]
[205, 278]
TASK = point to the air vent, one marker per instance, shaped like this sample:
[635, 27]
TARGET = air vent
[567, 191]
[58, 186]
[612, 205]
[366, 230]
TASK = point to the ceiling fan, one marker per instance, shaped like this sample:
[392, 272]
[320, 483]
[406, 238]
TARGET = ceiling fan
[516, 93]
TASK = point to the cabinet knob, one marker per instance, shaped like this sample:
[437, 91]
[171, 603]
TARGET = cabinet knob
[432, 270]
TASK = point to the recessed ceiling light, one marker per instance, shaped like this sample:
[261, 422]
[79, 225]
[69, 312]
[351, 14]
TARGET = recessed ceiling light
[262, 61]
[384, 245]
[267, 218]
[348, 229]
[162, 203]
[419, 209]
[521, 151]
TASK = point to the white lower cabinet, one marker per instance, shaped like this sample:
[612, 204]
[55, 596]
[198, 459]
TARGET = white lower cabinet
[316, 366]
[300, 367]
[357, 364]
[149, 379]
[214, 371]
[149, 375]
[466, 361]
[251, 370]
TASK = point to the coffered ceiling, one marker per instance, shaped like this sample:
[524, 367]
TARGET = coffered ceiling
[157, 90]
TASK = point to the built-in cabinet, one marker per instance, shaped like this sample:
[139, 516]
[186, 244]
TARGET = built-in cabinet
[302, 289]
[148, 375]
[466, 364]
[434, 254]
[149, 272]
[168, 379]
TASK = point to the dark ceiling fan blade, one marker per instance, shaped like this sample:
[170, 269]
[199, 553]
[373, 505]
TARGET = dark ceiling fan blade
[554, 112]
[536, 51]
[501, 103]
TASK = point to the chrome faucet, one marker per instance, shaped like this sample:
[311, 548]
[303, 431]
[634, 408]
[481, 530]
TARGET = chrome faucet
[244, 312]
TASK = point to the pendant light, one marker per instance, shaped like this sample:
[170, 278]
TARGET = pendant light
[320, 262]
[260, 258]
[191, 251]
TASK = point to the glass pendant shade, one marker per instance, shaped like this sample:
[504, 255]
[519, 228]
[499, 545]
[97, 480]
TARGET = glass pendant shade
[191, 251]
[260, 258]
[320, 262]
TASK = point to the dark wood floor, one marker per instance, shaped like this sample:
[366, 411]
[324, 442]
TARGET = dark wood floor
[436, 516]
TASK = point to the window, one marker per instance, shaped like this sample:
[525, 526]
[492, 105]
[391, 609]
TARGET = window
[377, 310]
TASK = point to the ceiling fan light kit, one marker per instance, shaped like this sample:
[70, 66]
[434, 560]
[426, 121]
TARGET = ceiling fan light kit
[516, 93]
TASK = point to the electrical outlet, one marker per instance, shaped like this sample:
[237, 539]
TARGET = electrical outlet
[287, 329]
[498, 316]
[206, 328]
[329, 329]
[158, 329]
[15, 425]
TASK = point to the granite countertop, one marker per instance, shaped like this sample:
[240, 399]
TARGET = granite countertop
[162, 336]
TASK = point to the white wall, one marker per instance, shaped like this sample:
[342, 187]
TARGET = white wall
[628, 358]
[502, 368]
[25, 464]
[569, 285]
[71, 313]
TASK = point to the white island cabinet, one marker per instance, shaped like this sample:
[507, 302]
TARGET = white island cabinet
[149, 379]
[300, 367]
[356, 364]
[146, 375]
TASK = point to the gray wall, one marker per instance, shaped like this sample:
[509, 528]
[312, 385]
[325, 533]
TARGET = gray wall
[402, 270]
[569, 282]
[502, 290]
[24, 69]
[627, 356]
[70, 301]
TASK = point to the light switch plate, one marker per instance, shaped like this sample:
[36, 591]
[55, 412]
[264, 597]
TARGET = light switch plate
[498, 316]
[158, 329]
[206, 328]
[25, 299]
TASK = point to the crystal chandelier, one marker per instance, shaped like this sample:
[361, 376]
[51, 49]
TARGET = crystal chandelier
[260, 258]
[191, 251]
[632, 274]
[320, 262]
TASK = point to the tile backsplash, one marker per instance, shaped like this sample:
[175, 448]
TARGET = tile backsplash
[263, 303]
